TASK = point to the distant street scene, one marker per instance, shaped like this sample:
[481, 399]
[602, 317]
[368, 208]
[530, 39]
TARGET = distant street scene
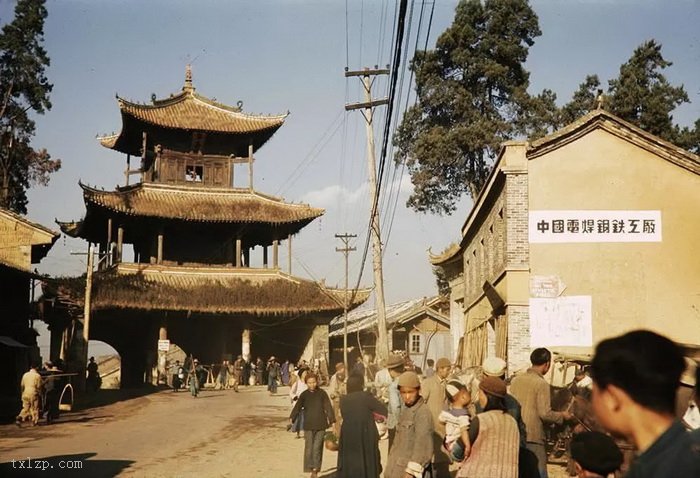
[397, 239]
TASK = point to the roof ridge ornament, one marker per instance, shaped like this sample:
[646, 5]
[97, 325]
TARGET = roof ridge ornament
[188, 79]
[600, 100]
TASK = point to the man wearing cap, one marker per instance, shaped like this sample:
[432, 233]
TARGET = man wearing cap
[410, 455]
[496, 367]
[595, 455]
[532, 392]
[433, 392]
[394, 366]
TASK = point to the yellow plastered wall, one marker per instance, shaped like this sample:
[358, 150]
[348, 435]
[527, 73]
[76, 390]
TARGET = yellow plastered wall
[653, 285]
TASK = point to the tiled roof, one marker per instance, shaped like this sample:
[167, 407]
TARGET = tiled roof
[200, 204]
[600, 118]
[191, 111]
[449, 253]
[395, 314]
[22, 242]
[257, 292]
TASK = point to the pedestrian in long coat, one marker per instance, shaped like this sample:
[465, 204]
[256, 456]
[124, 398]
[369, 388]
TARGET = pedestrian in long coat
[358, 446]
[318, 416]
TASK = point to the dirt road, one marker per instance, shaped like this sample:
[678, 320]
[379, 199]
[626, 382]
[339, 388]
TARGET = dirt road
[166, 434]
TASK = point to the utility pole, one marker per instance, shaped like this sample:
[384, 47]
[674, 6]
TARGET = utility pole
[86, 312]
[346, 251]
[382, 348]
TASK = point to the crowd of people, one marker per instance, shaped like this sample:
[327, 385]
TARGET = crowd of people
[193, 376]
[442, 423]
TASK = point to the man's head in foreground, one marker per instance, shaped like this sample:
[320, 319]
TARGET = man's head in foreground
[595, 455]
[635, 377]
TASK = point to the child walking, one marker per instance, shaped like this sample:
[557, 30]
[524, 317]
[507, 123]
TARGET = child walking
[318, 416]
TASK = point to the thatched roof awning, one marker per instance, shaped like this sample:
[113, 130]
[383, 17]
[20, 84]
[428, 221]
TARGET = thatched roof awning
[200, 204]
[216, 291]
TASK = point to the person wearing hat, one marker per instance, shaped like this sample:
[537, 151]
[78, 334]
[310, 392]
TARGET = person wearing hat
[433, 392]
[595, 455]
[532, 391]
[496, 367]
[273, 371]
[195, 378]
[413, 448]
[394, 367]
[493, 436]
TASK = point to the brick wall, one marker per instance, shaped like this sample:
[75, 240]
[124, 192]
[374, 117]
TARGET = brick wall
[517, 246]
[484, 254]
[518, 337]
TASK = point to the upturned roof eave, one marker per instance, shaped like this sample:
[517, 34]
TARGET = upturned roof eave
[304, 213]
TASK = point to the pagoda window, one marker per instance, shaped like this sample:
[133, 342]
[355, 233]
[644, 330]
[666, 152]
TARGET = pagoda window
[194, 173]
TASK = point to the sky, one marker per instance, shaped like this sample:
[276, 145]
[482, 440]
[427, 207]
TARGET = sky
[289, 55]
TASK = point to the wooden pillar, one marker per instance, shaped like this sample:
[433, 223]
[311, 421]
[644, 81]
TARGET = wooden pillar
[109, 241]
[120, 241]
[275, 254]
[162, 354]
[245, 343]
[238, 253]
[289, 254]
[159, 260]
[250, 166]
[265, 257]
[128, 169]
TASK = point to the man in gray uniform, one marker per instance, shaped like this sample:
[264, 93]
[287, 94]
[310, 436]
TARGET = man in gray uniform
[413, 447]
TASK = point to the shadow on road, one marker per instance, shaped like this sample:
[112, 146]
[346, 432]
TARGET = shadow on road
[63, 466]
[104, 397]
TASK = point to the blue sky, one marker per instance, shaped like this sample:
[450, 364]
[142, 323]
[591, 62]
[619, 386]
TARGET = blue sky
[289, 55]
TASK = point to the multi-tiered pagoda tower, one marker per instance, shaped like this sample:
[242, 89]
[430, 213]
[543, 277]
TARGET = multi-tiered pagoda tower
[195, 239]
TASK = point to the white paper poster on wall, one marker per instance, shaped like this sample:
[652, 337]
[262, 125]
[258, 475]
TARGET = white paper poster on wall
[562, 321]
[546, 286]
[594, 226]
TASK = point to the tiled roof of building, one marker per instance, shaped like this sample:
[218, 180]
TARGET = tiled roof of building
[199, 204]
[191, 111]
[395, 314]
[23, 242]
[212, 290]
[600, 118]
[450, 252]
[231, 130]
